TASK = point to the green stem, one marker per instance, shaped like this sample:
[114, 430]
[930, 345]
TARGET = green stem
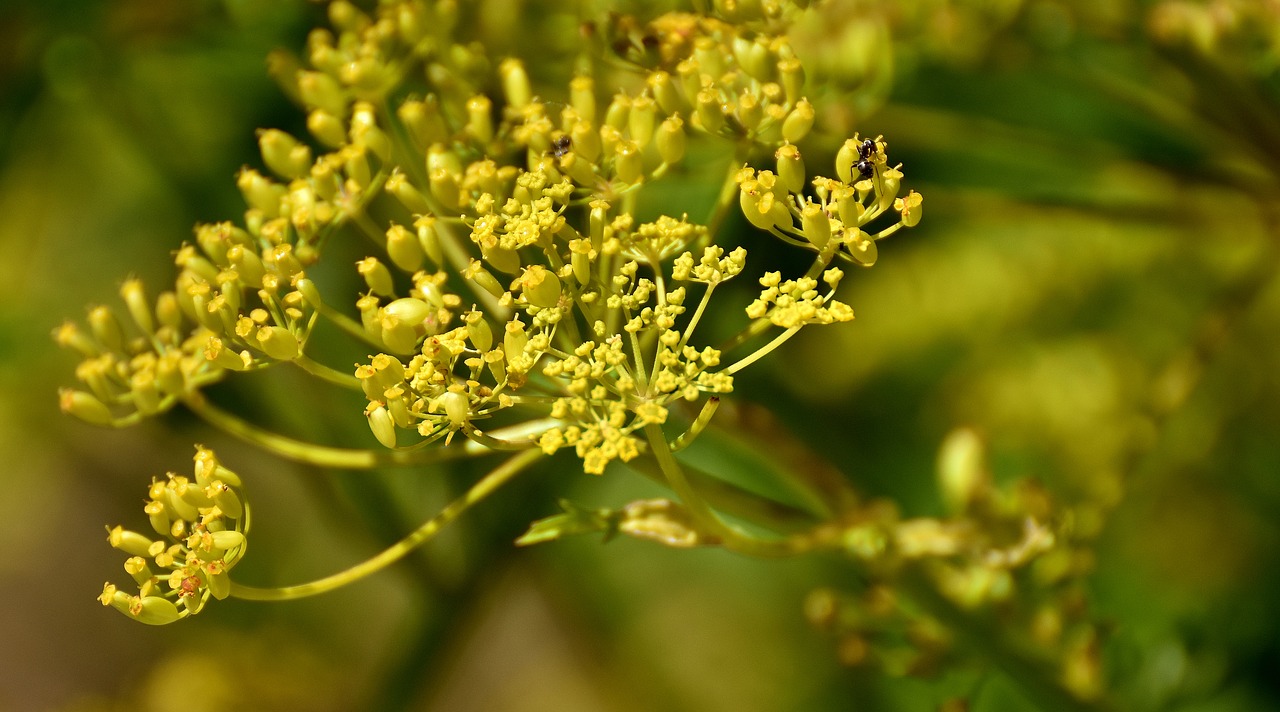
[327, 373]
[487, 485]
[345, 458]
[730, 538]
[763, 351]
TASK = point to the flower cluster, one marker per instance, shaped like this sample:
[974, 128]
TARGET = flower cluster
[512, 295]
[201, 523]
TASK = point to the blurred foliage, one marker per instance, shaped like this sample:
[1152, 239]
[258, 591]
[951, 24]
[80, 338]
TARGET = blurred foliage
[1093, 292]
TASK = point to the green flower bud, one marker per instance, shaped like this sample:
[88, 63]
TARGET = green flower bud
[409, 310]
[598, 218]
[582, 97]
[135, 300]
[365, 132]
[215, 353]
[70, 336]
[283, 262]
[846, 157]
[423, 120]
[579, 169]
[710, 111]
[480, 119]
[628, 162]
[863, 249]
[710, 56]
[106, 328]
[456, 406]
[515, 83]
[399, 336]
[815, 224]
[514, 339]
[404, 249]
[217, 579]
[227, 500]
[444, 186]
[478, 331]
[641, 120]
[483, 278]
[429, 240]
[408, 195]
[671, 140]
[690, 77]
[792, 71]
[791, 173]
[247, 264]
[130, 542]
[355, 162]
[283, 154]
[798, 122]
[910, 208]
[539, 285]
[663, 89]
[145, 391]
[327, 128]
[755, 58]
[154, 610]
[376, 276]
[749, 111]
[586, 141]
[169, 374]
[84, 406]
[617, 114]
[279, 343]
[260, 193]
[321, 91]
[384, 429]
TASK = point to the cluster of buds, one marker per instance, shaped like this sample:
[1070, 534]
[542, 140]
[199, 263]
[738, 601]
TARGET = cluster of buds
[201, 523]
[1005, 548]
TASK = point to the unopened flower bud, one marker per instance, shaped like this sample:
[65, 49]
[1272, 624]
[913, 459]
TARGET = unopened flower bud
[617, 113]
[327, 128]
[815, 224]
[84, 406]
[671, 140]
[478, 331]
[515, 83]
[483, 278]
[376, 276]
[154, 610]
[582, 97]
[408, 195]
[790, 168]
[404, 249]
[384, 429]
[664, 91]
[480, 119]
[641, 120]
[423, 120]
[321, 91]
[456, 406]
[260, 193]
[710, 111]
[863, 249]
[428, 240]
[135, 301]
[798, 122]
[540, 286]
[216, 353]
[514, 339]
[585, 140]
[792, 72]
[130, 542]
[279, 343]
[628, 162]
[284, 154]
[106, 328]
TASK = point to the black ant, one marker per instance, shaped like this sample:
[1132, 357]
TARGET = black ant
[561, 145]
[867, 151]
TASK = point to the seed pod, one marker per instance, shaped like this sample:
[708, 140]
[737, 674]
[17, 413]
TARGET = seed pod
[404, 249]
[480, 119]
[456, 406]
[283, 154]
[478, 331]
[321, 91]
[423, 120]
[515, 83]
[709, 111]
[376, 276]
[617, 114]
[540, 286]
[628, 162]
[663, 89]
[84, 406]
[279, 343]
[641, 120]
[384, 429]
[815, 224]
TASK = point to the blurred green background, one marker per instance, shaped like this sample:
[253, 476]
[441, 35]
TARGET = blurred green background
[1093, 288]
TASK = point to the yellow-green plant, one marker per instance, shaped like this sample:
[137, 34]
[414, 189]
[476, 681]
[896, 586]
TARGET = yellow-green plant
[517, 300]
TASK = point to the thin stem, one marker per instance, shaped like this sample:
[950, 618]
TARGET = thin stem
[327, 373]
[487, 485]
[763, 351]
[730, 538]
[347, 458]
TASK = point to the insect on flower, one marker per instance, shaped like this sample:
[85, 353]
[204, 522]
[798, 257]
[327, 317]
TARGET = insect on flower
[561, 145]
